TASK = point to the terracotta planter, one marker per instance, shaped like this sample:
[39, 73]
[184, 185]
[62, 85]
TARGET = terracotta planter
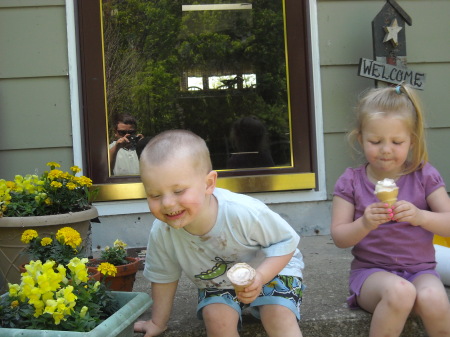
[11, 229]
[132, 305]
[125, 277]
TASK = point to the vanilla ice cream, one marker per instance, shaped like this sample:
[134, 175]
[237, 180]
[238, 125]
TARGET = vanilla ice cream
[387, 191]
[241, 275]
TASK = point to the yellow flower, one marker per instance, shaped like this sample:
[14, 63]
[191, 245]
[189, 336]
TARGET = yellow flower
[71, 186]
[120, 243]
[13, 289]
[69, 236]
[14, 304]
[107, 269]
[75, 169]
[56, 184]
[46, 241]
[83, 181]
[53, 164]
[83, 311]
[79, 271]
[28, 235]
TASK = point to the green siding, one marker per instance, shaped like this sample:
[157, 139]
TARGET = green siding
[35, 117]
[345, 36]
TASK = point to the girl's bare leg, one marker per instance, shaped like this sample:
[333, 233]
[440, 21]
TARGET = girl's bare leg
[390, 298]
[279, 321]
[432, 305]
[220, 320]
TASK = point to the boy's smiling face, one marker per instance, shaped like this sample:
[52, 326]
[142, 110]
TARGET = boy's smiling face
[180, 194]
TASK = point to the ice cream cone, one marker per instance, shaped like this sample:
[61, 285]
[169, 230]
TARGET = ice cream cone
[241, 275]
[389, 197]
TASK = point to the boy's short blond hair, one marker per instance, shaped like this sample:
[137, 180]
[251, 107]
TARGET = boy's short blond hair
[177, 144]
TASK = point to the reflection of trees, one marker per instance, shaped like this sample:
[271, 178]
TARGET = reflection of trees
[171, 43]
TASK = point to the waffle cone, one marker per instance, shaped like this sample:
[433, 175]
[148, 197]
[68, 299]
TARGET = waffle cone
[240, 285]
[389, 197]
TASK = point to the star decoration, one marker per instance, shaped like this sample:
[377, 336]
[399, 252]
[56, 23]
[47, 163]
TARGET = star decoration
[392, 33]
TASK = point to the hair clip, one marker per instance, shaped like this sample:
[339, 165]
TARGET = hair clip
[398, 89]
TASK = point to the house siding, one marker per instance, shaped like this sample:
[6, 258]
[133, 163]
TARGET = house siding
[345, 36]
[35, 117]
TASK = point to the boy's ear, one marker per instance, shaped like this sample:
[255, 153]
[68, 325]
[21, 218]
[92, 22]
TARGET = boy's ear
[211, 180]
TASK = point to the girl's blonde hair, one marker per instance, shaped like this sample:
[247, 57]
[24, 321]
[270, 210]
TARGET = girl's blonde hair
[401, 102]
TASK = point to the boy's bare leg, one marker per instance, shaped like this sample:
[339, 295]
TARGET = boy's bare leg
[390, 298]
[432, 305]
[279, 321]
[220, 320]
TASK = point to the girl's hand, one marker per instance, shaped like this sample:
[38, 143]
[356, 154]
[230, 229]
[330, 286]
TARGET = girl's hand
[406, 212]
[252, 291]
[376, 214]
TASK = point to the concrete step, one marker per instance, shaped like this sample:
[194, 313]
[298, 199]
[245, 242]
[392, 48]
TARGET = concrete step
[324, 310]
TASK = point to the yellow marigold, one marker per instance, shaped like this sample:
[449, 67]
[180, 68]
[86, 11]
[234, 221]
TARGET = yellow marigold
[56, 184]
[10, 184]
[14, 304]
[107, 269]
[71, 186]
[28, 235]
[83, 181]
[69, 236]
[46, 241]
[75, 169]
[55, 174]
[53, 164]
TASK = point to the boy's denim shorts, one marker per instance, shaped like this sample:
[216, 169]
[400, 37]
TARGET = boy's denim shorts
[283, 290]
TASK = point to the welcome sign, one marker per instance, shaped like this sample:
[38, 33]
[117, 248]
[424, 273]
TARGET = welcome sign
[390, 73]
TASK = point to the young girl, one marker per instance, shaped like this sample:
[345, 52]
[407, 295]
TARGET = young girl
[393, 270]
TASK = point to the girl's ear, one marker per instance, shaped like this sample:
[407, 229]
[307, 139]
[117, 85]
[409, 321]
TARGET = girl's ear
[211, 180]
[359, 138]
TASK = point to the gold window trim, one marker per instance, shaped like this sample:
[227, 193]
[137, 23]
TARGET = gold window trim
[246, 184]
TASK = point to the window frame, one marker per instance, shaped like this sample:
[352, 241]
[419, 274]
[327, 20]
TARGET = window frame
[302, 175]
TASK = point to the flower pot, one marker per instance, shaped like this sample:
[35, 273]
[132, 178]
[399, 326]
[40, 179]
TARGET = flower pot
[125, 277]
[11, 229]
[118, 325]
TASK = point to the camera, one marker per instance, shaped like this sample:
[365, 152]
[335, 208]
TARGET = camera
[133, 141]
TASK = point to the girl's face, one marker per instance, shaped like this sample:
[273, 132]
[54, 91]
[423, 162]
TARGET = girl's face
[179, 195]
[386, 142]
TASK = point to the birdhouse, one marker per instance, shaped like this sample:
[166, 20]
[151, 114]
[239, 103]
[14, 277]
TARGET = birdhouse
[389, 49]
[388, 34]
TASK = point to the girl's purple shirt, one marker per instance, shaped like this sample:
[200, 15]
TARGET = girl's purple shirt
[393, 245]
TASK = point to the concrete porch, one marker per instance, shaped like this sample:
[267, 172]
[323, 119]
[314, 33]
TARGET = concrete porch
[324, 311]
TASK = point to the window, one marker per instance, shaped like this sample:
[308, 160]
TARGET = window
[220, 70]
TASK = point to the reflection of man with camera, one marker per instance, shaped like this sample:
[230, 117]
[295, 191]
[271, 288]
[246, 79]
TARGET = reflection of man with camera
[123, 158]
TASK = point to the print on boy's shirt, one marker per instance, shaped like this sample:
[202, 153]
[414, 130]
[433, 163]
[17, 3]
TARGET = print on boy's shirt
[217, 270]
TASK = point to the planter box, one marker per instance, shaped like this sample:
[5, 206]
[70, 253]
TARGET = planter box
[133, 304]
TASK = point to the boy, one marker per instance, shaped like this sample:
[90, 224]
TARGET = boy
[202, 231]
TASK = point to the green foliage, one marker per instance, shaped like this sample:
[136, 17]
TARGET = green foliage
[115, 255]
[54, 192]
[172, 45]
[56, 298]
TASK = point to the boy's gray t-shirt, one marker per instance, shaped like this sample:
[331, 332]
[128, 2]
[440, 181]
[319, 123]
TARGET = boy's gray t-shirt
[246, 230]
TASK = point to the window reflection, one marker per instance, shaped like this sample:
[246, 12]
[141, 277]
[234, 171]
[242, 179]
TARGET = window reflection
[202, 67]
